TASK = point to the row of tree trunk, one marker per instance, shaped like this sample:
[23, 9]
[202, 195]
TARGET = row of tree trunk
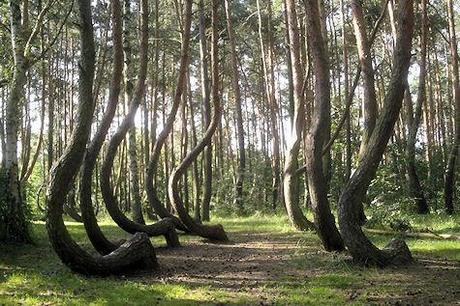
[380, 120]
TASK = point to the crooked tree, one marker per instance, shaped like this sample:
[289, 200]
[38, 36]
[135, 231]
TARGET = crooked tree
[353, 194]
[164, 227]
[318, 133]
[212, 232]
[137, 252]
[291, 181]
[154, 201]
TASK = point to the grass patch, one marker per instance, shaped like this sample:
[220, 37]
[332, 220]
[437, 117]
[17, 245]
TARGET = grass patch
[302, 273]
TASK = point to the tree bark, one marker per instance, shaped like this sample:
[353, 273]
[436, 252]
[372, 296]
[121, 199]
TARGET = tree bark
[347, 114]
[291, 181]
[213, 232]
[205, 88]
[453, 155]
[136, 205]
[239, 200]
[360, 247]
[267, 55]
[13, 223]
[365, 60]
[413, 121]
[164, 227]
[138, 252]
[318, 134]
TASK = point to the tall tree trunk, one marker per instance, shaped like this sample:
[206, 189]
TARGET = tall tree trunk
[370, 96]
[317, 135]
[164, 227]
[51, 109]
[449, 183]
[413, 121]
[291, 181]
[365, 59]
[13, 222]
[2, 127]
[196, 172]
[239, 200]
[138, 252]
[267, 54]
[349, 154]
[213, 232]
[273, 106]
[360, 247]
[136, 205]
[207, 156]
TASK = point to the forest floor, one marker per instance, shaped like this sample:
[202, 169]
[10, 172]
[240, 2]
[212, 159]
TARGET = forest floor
[266, 262]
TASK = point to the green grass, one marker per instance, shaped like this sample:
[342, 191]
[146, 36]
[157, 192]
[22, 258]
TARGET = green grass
[306, 275]
[437, 222]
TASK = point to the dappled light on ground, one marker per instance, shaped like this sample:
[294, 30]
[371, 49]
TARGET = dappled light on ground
[266, 264]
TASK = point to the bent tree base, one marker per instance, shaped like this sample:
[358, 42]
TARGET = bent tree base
[164, 227]
[364, 252]
[138, 252]
[212, 232]
[354, 192]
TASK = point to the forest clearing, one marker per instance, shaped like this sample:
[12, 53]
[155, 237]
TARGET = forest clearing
[266, 262]
[266, 152]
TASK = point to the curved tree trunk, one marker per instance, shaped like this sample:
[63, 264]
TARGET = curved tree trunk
[370, 97]
[348, 102]
[453, 155]
[163, 227]
[138, 252]
[95, 235]
[360, 247]
[291, 180]
[318, 134]
[154, 201]
[213, 232]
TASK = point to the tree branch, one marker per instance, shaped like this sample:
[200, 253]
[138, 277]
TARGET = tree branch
[37, 27]
[53, 41]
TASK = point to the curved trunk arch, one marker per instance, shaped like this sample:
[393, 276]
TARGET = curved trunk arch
[360, 247]
[213, 232]
[138, 252]
[153, 199]
[164, 227]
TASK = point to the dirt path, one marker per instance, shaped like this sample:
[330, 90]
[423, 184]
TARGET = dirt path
[255, 261]
[249, 260]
